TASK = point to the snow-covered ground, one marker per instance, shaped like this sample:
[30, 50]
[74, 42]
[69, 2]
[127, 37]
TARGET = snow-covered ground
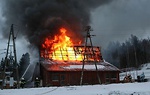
[134, 88]
[143, 69]
[111, 89]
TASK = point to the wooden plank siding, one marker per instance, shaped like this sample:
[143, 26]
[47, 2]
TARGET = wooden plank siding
[65, 78]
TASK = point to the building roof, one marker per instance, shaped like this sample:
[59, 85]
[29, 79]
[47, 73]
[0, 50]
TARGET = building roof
[77, 66]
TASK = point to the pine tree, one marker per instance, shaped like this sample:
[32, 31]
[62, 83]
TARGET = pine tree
[131, 53]
[23, 64]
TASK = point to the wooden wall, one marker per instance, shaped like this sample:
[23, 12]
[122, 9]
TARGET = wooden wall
[61, 78]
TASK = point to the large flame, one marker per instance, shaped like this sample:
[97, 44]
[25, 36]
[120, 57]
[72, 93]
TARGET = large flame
[61, 48]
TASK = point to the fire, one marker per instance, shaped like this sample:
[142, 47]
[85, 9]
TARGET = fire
[61, 48]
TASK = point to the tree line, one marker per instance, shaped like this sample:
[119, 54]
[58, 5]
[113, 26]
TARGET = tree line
[10, 65]
[131, 53]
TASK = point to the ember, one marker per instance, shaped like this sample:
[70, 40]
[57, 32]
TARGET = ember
[61, 48]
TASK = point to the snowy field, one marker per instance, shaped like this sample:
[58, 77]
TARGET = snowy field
[135, 88]
[111, 89]
[143, 69]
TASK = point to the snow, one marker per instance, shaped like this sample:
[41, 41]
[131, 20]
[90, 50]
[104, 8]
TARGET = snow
[85, 67]
[111, 89]
[144, 68]
[135, 88]
[59, 65]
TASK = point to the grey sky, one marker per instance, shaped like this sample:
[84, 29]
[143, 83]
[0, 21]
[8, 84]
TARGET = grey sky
[21, 44]
[119, 19]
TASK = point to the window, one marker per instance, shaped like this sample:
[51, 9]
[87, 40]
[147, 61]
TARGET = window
[113, 75]
[55, 77]
[107, 78]
[62, 77]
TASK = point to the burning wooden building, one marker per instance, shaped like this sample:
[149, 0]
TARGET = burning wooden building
[63, 63]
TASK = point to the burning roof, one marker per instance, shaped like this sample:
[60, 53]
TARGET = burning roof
[62, 48]
[61, 54]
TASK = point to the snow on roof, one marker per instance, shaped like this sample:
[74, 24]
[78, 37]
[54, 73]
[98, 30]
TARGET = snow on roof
[87, 67]
[77, 66]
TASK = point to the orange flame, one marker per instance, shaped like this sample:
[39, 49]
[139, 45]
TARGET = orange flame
[61, 48]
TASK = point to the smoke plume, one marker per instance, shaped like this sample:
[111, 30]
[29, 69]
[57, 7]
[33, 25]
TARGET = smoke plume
[41, 18]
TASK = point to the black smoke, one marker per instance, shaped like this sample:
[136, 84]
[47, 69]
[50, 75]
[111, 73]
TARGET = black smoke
[41, 18]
